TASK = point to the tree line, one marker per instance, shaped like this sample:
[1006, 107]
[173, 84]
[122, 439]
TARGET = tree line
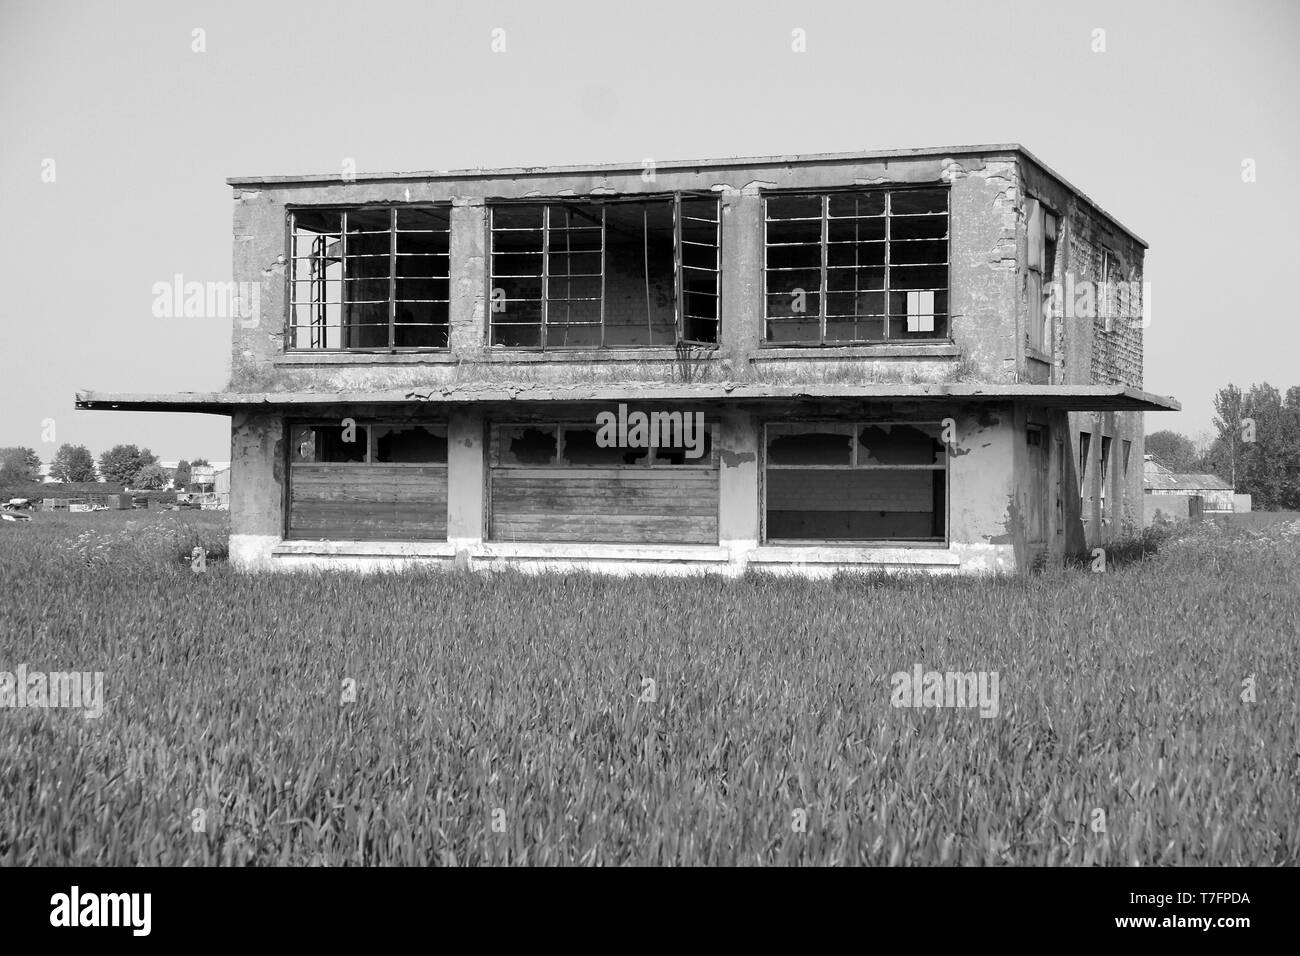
[1256, 448]
[125, 465]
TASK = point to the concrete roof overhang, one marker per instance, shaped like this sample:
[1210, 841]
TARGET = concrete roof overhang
[1075, 398]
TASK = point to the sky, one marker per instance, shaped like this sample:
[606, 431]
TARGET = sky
[143, 129]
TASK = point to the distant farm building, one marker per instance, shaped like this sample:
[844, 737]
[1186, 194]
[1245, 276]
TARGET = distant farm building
[1180, 496]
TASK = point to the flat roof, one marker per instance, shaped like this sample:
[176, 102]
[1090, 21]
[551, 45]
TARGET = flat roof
[790, 159]
[1068, 397]
[1184, 481]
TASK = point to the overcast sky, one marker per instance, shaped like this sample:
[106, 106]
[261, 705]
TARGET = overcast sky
[143, 132]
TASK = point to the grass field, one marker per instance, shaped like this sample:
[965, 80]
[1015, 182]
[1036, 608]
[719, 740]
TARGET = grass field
[508, 719]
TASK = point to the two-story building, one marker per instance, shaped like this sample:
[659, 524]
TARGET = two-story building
[926, 359]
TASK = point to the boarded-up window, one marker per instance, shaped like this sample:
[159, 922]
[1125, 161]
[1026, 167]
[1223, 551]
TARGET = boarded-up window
[556, 482]
[388, 483]
[856, 482]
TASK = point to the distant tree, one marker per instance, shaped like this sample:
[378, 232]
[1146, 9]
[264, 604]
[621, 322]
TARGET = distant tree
[1175, 451]
[121, 463]
[19, 464]
[201, 461]
[151, 477]
[181, 477]
[73, 463]
[1268, 468]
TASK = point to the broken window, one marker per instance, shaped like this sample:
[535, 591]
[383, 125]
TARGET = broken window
[369, 443]
[527, 445]
[568, 445]
[605, 274]
[857, 266]
[856, 482]
[370, 277]
[410, 444]
[330, 443]
[1041, 271]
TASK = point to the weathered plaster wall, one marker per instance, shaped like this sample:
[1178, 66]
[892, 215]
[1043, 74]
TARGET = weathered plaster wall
[984, 516]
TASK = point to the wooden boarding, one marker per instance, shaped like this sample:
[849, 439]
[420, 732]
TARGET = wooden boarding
[850, 489]
[605, 505]
[375, 502]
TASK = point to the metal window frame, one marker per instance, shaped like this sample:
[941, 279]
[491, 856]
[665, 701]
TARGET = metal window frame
[825, 193]
[290, 326]
[604, 202]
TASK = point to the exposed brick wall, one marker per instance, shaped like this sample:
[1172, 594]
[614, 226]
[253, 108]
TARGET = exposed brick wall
[1116, 357]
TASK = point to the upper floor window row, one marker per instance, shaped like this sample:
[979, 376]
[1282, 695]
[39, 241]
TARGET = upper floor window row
[841, 267]
[863, 266]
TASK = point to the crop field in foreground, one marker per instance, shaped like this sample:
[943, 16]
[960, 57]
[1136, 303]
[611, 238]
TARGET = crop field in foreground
[511, 719]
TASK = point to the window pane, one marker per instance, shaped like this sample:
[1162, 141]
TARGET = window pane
[410, 443]
[857, 204]
[527, 445]
[856, 230]
[368, 220]
[580, 448]
[794, 207]
[325, 443]
[802, 331]
[692, 444]
[436, 219]
[911, 201]
[517, 217]
[809, 444]
[895, 444]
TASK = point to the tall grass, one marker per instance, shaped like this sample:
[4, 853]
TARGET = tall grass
[1120, 692]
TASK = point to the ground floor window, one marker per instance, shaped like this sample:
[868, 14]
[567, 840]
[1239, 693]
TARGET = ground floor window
[566, 482]
[855, 482]
[367, 480]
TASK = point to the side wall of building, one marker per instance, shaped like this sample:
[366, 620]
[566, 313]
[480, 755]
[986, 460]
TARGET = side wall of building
[1098, 322]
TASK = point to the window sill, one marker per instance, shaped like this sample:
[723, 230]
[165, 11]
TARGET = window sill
[601, 552]
[921, 554]
[885, 350]
[500, 354]
[383, 357]
[376, 549]
[1036, 355]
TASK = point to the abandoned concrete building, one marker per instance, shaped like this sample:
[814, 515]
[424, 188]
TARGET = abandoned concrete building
[815, 363]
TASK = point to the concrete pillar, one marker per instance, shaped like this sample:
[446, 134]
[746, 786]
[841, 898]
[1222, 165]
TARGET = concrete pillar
[257, 486]
[466, 456]
[742, 304]
[738, 520]
[467, 310]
